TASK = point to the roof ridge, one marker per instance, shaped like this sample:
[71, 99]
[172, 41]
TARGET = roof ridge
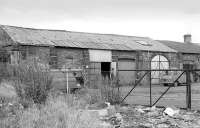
[178, 42]
[181, 46]
[109, 34]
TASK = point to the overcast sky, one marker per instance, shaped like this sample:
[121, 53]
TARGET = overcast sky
[158, 19]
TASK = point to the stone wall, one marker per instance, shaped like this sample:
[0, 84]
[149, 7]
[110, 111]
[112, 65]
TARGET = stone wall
[70, 58]
[123, 54]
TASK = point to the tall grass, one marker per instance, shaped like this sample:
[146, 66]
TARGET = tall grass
[109, 91]
[59, 112]
[104, 90]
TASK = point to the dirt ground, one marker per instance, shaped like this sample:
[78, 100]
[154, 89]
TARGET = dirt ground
[176, 96]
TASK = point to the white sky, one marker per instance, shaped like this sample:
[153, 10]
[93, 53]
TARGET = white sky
[158, 19]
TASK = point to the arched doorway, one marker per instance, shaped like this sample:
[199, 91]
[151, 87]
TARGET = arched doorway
[158, 62]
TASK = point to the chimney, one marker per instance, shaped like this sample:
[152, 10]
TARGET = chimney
[188, 38]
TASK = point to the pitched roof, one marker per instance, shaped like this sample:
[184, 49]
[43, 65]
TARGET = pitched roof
[30, 36]
[182, 47]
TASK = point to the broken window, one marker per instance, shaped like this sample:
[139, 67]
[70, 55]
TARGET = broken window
[53, 59]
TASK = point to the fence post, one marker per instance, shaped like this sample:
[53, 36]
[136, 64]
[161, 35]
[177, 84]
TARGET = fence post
[67, 81]
[117, 75]
[66, 78]
[150, 90]
[188, 89]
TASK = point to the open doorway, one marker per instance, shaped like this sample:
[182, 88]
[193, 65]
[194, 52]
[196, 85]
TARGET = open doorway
[105, 69]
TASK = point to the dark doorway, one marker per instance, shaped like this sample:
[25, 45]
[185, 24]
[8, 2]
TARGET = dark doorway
[105, 69]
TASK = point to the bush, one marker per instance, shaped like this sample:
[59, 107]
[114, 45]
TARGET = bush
[60, 112]
[32, 81]
[106, 91]
[90, 96]
[3, 72]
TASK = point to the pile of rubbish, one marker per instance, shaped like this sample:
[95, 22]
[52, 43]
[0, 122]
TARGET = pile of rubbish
[147, 117]
[153, 117]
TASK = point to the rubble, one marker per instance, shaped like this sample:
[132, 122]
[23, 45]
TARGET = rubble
[149, 117]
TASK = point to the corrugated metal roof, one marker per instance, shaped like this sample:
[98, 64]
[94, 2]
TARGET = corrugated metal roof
[29, 36]
[182, 47]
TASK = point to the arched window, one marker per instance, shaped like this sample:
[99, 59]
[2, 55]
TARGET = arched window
[158, 62]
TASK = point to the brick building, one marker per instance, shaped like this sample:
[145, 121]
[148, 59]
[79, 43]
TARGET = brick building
[100, 53]
[188, 52]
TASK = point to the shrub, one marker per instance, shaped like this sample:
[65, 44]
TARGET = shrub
[3, 72]
[4, 58]
[60, 112]
[90, 96]
[106, 91]
[32, 81]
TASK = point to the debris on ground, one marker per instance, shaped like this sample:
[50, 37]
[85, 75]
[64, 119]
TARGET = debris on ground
[149, 117]
[171, 112]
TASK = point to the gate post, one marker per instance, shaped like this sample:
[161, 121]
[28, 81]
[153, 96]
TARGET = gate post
[188, 89]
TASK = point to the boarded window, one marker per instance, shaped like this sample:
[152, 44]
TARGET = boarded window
[4, 57]
[31, 51]
[53, 58]
[68, 62]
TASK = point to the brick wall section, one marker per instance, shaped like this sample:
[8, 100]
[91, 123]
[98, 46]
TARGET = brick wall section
[65, 56]
[123, 54]
[145, 58]
[191, 58]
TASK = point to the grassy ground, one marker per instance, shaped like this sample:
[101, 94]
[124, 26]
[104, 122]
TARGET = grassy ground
[6, 90]
[176, 96]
